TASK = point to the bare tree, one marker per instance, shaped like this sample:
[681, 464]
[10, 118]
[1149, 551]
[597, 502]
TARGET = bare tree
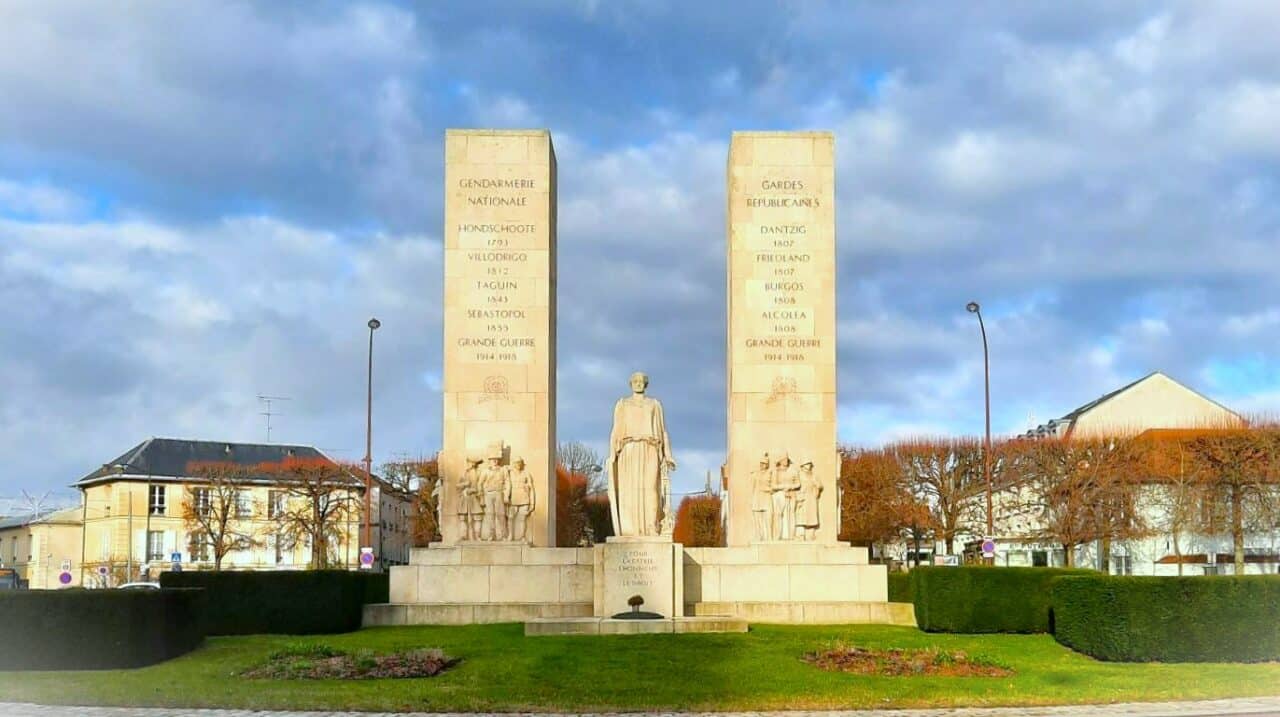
[877, 503]
[581, 459]
[216, 511]
[321, 498]
[419, 478]
[1177, 490]
[1239, 468]
[947, 476]
[1082, 489]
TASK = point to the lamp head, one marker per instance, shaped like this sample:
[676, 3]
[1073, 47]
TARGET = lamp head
[374, 324]
[972, 307]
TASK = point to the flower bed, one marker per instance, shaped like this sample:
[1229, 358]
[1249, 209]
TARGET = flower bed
[320, 662]
[905, 663]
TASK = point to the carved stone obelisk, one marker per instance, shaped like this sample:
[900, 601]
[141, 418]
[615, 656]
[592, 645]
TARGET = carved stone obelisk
[499, 336]
[782, 462]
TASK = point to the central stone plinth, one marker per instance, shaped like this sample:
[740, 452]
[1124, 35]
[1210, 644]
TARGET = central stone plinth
[650, 567]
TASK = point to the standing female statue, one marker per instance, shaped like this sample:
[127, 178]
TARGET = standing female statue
[639, 456]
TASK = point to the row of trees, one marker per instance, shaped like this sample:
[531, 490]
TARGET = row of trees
[311, 501]
[1067, 491]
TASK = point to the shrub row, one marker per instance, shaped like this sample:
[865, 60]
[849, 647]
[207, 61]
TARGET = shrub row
[900, 588]
[984, 599]
[1168, 619]
[97, 629]
[283, 601]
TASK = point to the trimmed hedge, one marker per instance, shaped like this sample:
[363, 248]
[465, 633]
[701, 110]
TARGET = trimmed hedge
[1169, 619]
[97, 629]
[900, 588]
[984, 599]
[289, 602]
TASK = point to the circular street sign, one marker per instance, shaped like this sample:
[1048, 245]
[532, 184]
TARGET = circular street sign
[988, 546]
[65, 578]
[366, 558]
[102, 570]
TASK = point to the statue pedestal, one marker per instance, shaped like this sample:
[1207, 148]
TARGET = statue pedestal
[651, 567]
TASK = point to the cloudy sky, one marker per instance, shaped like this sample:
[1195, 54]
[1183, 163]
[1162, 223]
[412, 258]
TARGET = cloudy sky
[203, 202]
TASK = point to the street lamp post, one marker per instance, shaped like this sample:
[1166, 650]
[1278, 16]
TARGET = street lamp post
[368, 442]
[975, 309]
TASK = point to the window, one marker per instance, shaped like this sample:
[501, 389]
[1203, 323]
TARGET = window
[275, 503]
[199, 547]
[15, 550]
[244, 504]
[155, 545]
[202, 501]
[155, 500]
[283, 547]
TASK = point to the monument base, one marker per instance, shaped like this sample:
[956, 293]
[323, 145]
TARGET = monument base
[810, 613]
[392, 614]
[783, 582]
[609, 626]
[789, 582]
[650, 569]
[487, 582]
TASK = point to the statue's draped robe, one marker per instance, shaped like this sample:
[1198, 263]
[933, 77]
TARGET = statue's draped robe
[638, 448]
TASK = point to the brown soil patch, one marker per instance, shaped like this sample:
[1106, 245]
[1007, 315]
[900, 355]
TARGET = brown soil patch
[320, 663]
[905, 663]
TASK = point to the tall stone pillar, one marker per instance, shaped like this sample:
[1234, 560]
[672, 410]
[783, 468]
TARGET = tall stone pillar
[782, 334]
[499, 315]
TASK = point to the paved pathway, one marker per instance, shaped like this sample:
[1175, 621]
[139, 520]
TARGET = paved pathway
[1258, 707]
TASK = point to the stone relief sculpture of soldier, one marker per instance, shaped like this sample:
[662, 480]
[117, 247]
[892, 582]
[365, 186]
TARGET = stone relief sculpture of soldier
[762, 498]
[494, 481]
[470, 508]
[785, 486]
[639, 459]
[521, 500]
[807, 503]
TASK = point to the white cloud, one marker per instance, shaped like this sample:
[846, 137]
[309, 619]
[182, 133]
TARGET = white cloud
[1246, 117]
[37, 200]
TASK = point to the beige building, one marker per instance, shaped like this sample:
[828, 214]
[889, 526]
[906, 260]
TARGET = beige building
[41, 548]
[1153, 402]
[135, 511]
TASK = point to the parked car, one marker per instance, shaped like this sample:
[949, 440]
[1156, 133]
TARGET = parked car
[139, 586]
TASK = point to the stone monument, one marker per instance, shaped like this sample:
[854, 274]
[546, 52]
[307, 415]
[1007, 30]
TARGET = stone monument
[639, 562]
[497, 561]
[782, 338]
[499, 336]
[640, 464]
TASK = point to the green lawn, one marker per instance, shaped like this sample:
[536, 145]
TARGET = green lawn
[504, 671]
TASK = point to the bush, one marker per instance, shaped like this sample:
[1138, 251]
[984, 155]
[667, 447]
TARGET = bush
[1168, 619]
[697, 522]
[288, 602]
[97, 629]
[900, 587]
[984, 599]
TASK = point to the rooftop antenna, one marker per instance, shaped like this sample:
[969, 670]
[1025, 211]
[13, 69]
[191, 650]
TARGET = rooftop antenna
[267, 400]
[35, 504]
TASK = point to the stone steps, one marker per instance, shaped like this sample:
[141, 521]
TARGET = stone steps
[814, 613]
[609, 626]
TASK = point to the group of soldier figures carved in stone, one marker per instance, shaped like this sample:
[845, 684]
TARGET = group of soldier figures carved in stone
[494, 500]
[784, 499]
